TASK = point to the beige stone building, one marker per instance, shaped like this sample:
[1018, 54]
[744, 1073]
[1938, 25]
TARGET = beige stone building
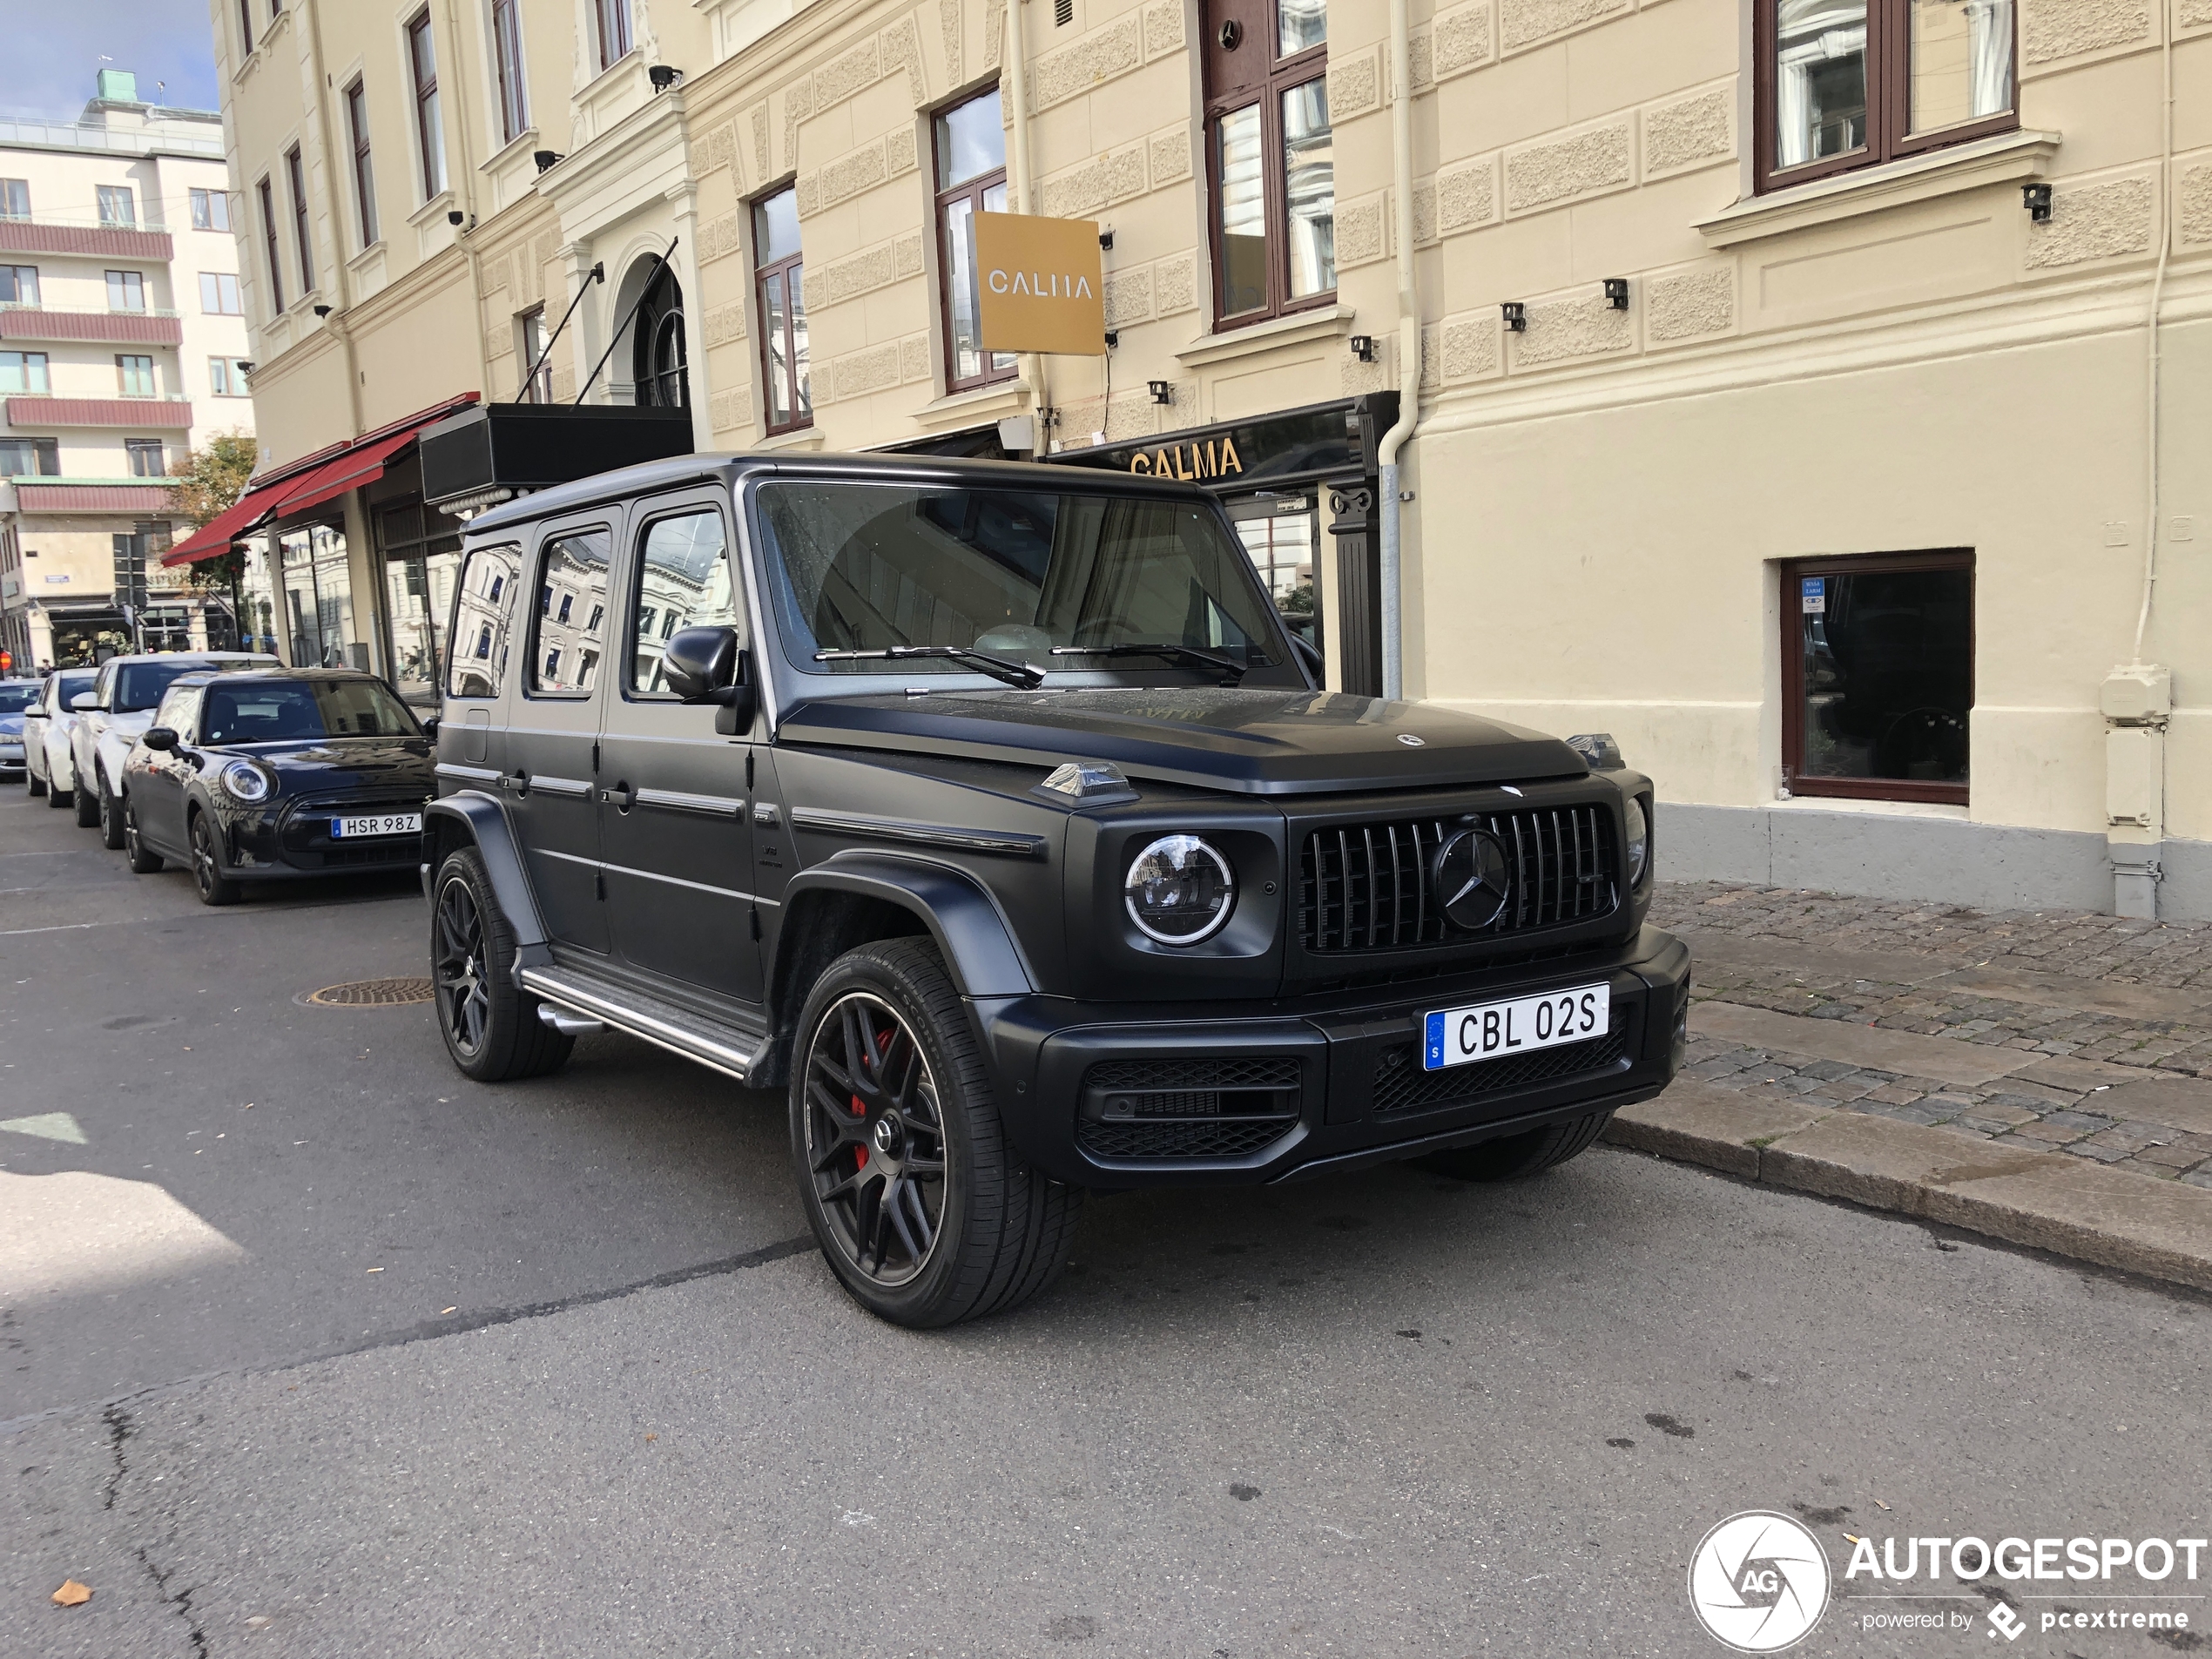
[1806, 390]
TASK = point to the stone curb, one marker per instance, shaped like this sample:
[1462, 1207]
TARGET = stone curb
[2043, 1200]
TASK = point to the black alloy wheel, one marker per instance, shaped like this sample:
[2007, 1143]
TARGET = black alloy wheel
[141, 858]
[111, 818]
[489, 1023]
[215, 887]
[875, 1140]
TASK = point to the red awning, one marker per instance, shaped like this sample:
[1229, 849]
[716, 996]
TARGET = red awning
[310, 482]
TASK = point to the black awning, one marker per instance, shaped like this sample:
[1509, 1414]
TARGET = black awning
[496, 451]
[1296, 445]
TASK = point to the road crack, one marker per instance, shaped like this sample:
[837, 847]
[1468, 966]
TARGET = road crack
[121, 1431]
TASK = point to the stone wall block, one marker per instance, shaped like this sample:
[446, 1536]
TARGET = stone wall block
[798, 103]
[1171, 156]
[1432, 356]
[873, 370]
[730, 411]
[902, 151]
[1690, 305]
[548, 249]
[898, 47]
[1467, 196]
[724, 324]
[913, 359]
[1355, 87]
[758, 122]
[564, 383]
[994, 33]
[809, 194]
[906, 256]
[2196, 202]
[2094, 222]
[845, 74]
[1462, 39]
[1420, 59]
[1355, 377]
[1560, 329]
[949, 25]
[2051, 30]
[718, 237]
[720, 149]
[1073, 194]
[1524, 22]
[1688, 133]
[1175, 283]
[2197, 14]
[1128, 297]
[1470, 346]
[1163, 28]
[1130, 415]
[1125, 173]
[849, 175]
[1361, 238]
[1098, 58]
[1562, 170]
[847, 279]
[1424, 213]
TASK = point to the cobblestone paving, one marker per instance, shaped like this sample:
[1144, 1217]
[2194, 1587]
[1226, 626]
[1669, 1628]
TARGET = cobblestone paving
[1919, 951]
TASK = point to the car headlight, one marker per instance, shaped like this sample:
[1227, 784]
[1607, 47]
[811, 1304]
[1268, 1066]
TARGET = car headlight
[1179, 890]
[1639, 842]
[245, 781]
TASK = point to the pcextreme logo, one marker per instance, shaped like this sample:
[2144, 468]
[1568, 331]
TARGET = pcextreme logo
[1758, 1583]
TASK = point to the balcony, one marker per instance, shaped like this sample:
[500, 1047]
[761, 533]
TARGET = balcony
[141, 496]
[92, 240]
[101, 326]
[145, 414]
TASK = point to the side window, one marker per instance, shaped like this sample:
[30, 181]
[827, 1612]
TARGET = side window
[480, 606]
[177, 709]
[566, 657]
[683, 581]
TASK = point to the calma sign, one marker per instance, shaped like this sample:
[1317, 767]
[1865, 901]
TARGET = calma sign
[1042, 289]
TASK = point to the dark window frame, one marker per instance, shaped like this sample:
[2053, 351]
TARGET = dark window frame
[660, 511]
[428, 108]
[364, 166]
[1793, 677]
[122, 372]
[266, 190]
[1889, 100]
[539, 388]
[613, 25]
[972, 191]
[795, 261]
[135, 449]
[303, 230]
[507, 64]
[1283, 75]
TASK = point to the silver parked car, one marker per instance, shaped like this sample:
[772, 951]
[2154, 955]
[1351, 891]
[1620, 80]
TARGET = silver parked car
[49, 769]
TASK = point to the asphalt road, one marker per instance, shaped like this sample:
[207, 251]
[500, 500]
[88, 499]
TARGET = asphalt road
[1383, 1414]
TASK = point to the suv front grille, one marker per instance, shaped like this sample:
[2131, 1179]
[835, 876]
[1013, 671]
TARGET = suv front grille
[1401, 1086]
[1194, 1106]
[1232, 1138]
[1366, 887]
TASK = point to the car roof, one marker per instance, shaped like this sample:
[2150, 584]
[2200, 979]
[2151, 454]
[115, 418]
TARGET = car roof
[193, 656]
[276, 673]
[734, 466]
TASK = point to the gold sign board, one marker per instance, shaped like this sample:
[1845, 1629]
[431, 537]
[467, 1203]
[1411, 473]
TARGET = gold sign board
[1040, 284]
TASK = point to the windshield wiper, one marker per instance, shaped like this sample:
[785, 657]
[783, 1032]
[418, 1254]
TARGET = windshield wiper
[1234, 671]
[1001, 667]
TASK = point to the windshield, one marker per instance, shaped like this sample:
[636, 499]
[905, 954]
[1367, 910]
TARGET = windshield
[73, 685]
[139, 685]
[14, 699]
[279, 712]
[858, 566]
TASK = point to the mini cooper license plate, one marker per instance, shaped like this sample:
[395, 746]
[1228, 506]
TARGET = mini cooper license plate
[1489, 1030]
[387, 824]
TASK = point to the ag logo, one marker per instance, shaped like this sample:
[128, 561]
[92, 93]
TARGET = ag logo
[1758, 1583]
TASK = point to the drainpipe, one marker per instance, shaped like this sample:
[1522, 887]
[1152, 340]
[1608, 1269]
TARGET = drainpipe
[1409, 344]
[1020, 176]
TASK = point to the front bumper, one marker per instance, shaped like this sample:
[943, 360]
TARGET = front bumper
[1117, 1095]
[289, 838]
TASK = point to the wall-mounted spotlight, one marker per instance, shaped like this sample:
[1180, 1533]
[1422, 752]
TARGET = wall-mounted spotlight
[1106, 241]
[2037, 199]
[1516, 315]
[322, 311]
[1161, 391]
[663, 76]
[1616, 292]
[1362, 348]
[545, 158]
[1113, 339]
[244, 367]
[455, 217]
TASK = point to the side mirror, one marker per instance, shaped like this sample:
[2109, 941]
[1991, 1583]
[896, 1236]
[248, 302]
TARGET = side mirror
[85, 702]
[430, 727]
[160, 737]
[699, 662]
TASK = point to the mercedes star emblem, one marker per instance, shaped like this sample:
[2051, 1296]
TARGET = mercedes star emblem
[1471, 878]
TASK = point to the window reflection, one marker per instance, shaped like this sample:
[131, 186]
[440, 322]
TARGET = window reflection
[1819, 79]
[1962, 61]
[683, 581]
[1310, 191]
[1243, 197]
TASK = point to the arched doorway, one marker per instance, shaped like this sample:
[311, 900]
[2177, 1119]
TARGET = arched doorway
[659, 377]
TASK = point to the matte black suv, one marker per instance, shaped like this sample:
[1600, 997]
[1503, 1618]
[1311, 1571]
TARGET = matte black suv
[987, 809]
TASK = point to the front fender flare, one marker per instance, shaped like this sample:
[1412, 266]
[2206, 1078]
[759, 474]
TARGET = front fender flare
[483, 821]
[960, 912]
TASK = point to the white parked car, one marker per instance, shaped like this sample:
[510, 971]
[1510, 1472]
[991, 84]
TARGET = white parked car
[15, 699]
[118, 707]
[46, 726]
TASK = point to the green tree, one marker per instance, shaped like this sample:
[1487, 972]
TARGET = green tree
[209, 485]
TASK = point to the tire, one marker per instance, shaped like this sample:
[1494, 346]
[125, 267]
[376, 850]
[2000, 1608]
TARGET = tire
[142, 859]
[215, 887]
[1514, 1158]
[87, 802]
[489, 1023]
[58, 798]
[34, 785]
[998, 1232]
[112, 825]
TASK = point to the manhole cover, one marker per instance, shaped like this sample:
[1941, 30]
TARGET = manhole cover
[369, 993]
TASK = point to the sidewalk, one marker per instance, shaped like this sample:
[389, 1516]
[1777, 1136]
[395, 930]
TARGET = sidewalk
[1849, 1045]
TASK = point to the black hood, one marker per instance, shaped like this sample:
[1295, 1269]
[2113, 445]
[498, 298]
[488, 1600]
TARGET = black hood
[341, 763]
[1249, 742]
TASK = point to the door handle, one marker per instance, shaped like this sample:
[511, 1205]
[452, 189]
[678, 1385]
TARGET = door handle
[622, 798]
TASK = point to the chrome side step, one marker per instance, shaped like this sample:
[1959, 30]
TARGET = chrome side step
[659, 1023]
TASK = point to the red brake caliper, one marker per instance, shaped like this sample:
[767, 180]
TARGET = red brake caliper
[882, 1048]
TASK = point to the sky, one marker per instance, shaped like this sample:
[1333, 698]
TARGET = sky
[56, 47]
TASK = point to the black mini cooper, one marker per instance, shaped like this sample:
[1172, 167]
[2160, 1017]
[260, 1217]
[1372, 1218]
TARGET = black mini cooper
[291, 773]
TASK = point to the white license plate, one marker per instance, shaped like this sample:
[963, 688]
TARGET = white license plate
[389, 823]
[1490, 1030]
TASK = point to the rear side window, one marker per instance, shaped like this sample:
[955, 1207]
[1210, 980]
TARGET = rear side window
[572, 583]
[482, 603]
[683, 581]
[176, 710]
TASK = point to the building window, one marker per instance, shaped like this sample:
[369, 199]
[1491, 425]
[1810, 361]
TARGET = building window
[423, 60]
[227, 377]
[245, 24]
[269, 241]
[1878, 664]
[14, 198]
[211, 210]
[538, 372]
[118, 206]
[614, 31]
[218, 294]
[1845, 83]
[507, 52]
[18, 285]
[302, 231]
[1269, 164]
[971, 179]
[126, 291]
[134, 372]
[780, 277]
[30, 458]
[364, 174]
[145, 457]
[660, 377]
[22, 371]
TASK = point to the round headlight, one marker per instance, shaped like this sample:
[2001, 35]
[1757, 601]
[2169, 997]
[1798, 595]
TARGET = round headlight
[245, 781]
[1639, 842]
[1179, 890]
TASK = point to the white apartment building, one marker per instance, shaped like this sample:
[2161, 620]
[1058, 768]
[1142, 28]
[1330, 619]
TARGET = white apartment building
[122, 345]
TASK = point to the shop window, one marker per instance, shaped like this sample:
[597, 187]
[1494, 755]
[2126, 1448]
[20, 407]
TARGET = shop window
[780, 289]
[575, 564]
[430, 133]
[134, 374]
[1878, 675]
[266, 194]
[118, 207]
[422, 549]
[683, 580]
[126, 291]
[22, 371]
[1845, 84]
[971, 179]
[364, 170]
[479, 609]
[18, 285]
[1270, 163]
[318, 599]
[506, 53]
[211, 210]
